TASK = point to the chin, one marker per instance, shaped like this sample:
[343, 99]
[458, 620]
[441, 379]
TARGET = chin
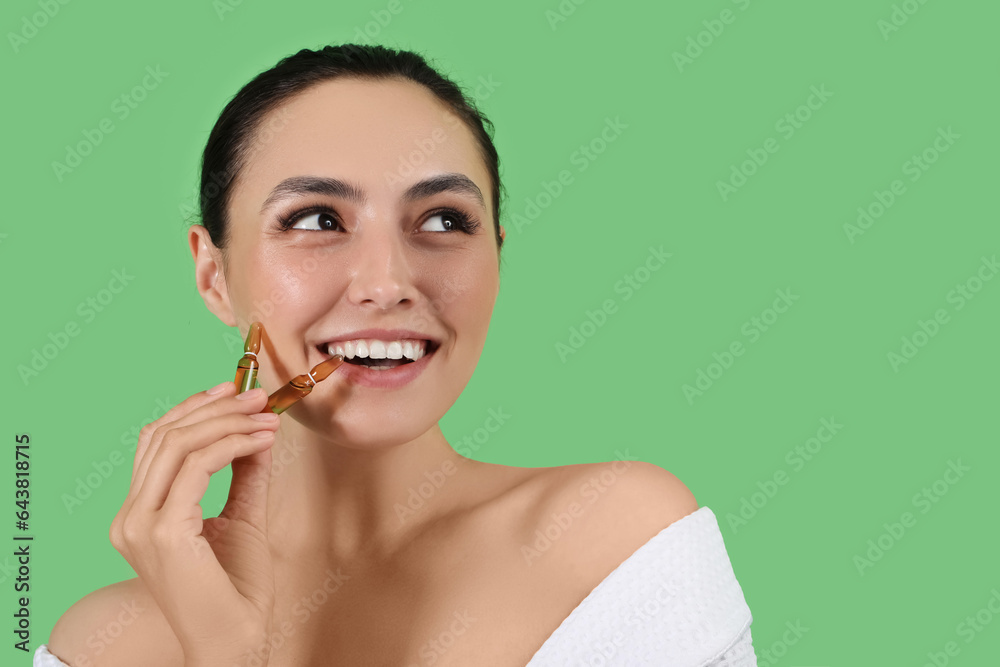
[366, 421]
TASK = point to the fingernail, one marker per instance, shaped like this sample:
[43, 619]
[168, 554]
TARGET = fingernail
[264, 416]
[250, 395]
[217, 389]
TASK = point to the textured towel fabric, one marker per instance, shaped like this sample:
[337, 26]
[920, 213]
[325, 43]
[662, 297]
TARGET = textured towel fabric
[45, 659]
[674, 602]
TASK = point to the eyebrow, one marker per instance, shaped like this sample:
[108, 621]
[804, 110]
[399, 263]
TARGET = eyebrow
[334, 187]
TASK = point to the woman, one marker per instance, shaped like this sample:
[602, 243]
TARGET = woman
[351, 203]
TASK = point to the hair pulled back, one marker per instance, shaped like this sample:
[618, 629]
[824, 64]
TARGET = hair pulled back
[232, 138]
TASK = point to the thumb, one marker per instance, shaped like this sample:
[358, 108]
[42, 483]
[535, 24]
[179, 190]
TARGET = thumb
[248, 492]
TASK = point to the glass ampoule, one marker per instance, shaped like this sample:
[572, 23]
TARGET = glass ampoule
[246, 368]
[300, 385]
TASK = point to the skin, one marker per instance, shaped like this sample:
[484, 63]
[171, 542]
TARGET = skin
[356, 447]
[351, 455]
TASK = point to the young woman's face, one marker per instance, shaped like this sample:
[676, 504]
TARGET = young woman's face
[365, 250]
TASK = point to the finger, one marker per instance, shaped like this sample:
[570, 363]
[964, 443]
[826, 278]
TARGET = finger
[191, 481]
[154, 431]
[246, 508]
[143, 455]
[183, 408]
[226, 402]
[179, 443]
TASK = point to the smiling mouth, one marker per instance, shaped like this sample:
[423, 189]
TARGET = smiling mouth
[380, 355]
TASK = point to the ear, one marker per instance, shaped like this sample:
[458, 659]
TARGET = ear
[209, 276]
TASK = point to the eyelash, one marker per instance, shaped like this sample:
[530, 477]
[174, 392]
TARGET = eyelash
[465, 223]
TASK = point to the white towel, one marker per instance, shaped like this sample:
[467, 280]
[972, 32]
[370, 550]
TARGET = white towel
[45, 659]
[674, 602]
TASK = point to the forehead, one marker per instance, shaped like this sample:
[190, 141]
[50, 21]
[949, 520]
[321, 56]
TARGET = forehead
[382, 135]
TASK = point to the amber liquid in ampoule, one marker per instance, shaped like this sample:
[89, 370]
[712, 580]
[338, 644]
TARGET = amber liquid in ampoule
[246, 368]
[300, 385]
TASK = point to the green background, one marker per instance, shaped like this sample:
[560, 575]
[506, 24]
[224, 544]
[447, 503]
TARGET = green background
[656, 184]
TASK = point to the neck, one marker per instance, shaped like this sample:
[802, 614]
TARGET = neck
[345, 502]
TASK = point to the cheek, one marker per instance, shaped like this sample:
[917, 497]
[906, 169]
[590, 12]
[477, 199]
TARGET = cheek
[293, 284]
[464, 300]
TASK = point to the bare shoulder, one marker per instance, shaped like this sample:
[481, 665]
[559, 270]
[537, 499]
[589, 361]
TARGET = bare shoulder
[634, 494]
[593, 516]
[119, 625]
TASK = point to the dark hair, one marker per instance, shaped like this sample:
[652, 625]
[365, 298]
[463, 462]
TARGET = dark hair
[230, 142]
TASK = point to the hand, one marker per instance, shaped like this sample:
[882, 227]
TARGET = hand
[213, 579]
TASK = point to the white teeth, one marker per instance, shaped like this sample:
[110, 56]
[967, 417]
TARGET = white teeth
[378, 349]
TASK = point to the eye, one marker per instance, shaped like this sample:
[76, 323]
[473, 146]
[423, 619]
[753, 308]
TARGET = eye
[450, 221]
[320, 221]
[323, 219]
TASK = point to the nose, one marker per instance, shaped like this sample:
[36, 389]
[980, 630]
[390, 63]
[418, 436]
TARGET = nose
[379, 269]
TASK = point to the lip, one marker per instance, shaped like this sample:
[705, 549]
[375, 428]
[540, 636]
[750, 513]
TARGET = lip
[392, 378]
